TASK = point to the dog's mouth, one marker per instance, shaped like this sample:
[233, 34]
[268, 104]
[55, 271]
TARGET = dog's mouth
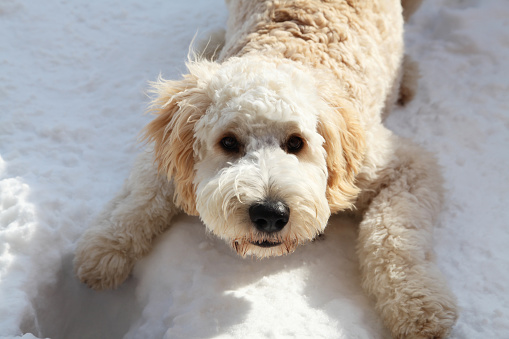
[265, 244]
[263, 248]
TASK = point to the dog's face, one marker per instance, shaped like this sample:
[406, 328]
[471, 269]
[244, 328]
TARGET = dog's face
[256, 151]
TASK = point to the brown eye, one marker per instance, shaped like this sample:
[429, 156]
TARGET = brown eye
[294, 144]
[230, 144]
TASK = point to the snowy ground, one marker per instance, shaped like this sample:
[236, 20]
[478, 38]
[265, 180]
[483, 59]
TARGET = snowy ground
[72, 81]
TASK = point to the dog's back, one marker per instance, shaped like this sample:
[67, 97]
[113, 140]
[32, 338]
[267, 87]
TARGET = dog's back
[361, 42]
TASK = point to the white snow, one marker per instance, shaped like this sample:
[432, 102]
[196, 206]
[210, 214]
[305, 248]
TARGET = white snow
[72, 82]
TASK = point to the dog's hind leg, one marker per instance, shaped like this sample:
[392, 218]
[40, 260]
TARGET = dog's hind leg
[124, 231]
[404, 87]
[409, 80]
[395, 251]
[409, 7]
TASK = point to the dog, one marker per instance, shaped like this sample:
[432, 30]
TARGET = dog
[280, 129]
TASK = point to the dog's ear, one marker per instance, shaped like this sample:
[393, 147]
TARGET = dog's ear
[345, 146]
[178, 105]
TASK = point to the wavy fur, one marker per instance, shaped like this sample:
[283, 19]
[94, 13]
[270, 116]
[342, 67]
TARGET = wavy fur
[299, 91]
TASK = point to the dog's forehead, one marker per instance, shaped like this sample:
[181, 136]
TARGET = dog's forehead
[260, 108]
[262, 95]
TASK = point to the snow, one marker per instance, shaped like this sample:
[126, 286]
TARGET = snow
[73, 76]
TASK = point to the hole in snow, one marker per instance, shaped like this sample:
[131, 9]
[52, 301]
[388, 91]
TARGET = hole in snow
[69, 309]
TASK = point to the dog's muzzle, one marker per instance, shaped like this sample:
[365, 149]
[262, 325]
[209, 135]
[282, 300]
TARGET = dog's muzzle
[269, 216]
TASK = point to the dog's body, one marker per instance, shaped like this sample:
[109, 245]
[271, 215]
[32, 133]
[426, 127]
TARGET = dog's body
[282, 130]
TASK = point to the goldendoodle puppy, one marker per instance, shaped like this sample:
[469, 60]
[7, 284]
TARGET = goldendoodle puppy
[281, 130]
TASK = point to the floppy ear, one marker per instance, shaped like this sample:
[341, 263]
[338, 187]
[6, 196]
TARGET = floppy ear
[345, 146]
[178, 106]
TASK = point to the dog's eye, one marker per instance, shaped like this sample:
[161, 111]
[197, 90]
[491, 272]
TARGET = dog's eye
[294, 144]
[230, 144]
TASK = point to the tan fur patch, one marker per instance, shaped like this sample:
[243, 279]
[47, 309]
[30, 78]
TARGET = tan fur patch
[179, 104]
[345, 147]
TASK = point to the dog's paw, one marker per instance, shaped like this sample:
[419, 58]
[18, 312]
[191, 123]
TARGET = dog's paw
[100, 264]
[422, 316]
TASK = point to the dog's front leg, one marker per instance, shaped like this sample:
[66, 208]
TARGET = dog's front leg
[395, 247]
[124, 230]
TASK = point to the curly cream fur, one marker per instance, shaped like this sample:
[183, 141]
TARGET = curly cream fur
[322, 70]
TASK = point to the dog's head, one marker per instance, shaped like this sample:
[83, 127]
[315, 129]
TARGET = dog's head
[263, 152]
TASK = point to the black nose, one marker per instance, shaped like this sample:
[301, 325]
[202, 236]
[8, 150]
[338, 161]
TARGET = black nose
[269, 216]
